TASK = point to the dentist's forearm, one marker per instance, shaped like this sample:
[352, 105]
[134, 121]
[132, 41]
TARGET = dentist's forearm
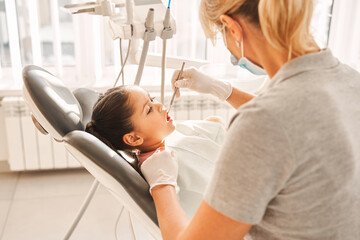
[172, 218]
[238, 98]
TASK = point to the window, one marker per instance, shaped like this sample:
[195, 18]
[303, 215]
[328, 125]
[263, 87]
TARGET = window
[321, 19]
[344, 37]
[33, 32]
[4, 37]
[79, 48]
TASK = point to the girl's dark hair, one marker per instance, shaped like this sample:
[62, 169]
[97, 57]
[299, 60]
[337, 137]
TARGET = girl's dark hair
[110, 119]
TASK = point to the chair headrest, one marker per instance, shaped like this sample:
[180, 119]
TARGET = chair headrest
[87, 99]
[53, 105]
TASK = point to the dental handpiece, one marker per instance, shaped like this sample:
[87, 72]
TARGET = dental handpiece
[176, 89]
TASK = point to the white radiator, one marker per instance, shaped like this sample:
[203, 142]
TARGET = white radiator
[28, 149]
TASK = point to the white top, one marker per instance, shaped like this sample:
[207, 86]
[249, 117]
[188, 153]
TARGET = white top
[290, 163]
[197, 144]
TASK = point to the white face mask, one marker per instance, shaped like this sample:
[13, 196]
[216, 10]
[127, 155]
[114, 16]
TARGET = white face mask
[243, 61]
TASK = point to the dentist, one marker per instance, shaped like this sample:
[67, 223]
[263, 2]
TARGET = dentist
[290, 164]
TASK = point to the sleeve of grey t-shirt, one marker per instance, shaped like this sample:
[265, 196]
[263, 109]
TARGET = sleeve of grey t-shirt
[253, 166]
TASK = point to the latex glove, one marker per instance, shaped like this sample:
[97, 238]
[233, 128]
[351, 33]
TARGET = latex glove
[161, 169]
[195, 80]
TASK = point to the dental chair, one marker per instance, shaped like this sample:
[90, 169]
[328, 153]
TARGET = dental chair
[63, 114]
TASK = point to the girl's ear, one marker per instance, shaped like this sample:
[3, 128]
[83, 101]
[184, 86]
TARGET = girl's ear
[133, 139]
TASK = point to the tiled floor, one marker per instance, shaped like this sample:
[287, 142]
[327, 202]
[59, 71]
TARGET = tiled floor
[42, 205]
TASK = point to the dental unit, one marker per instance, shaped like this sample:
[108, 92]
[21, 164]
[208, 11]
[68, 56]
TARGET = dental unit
[144, 20]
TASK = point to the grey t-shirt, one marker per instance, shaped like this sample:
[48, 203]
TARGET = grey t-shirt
[290, 163]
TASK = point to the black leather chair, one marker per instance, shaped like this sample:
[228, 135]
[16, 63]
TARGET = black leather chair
[64, 114]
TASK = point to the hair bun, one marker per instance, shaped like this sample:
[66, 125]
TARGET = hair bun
[90, 126]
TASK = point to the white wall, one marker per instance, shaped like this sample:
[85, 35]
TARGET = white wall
[3, 144]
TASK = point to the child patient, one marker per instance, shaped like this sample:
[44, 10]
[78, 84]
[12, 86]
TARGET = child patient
[127, 118]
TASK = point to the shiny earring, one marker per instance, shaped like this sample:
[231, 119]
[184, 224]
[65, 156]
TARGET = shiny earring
[237, 43]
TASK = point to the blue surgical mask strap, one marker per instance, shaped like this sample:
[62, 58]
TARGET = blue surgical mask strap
[242, 47]
[243, 61]
[246, 63]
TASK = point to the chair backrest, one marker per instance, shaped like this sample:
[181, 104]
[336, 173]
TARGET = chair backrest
[64, 115]
[117, 175]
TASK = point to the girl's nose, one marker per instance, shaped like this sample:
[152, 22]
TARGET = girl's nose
[159, 106]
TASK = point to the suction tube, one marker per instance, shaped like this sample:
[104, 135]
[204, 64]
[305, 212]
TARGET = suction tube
[148, 36]
[166, 34]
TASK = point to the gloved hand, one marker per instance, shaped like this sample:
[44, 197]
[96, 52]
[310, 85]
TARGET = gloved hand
[195, 80]
[161, 169]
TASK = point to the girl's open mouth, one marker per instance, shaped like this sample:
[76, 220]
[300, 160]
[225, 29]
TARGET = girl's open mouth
[168, 117]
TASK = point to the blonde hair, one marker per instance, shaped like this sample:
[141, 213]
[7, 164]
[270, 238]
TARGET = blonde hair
[211, 10]
[284, 23]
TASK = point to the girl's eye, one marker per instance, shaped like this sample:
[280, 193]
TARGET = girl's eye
[150, 109]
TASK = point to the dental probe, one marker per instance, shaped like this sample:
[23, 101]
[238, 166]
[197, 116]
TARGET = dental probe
[176, 89]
